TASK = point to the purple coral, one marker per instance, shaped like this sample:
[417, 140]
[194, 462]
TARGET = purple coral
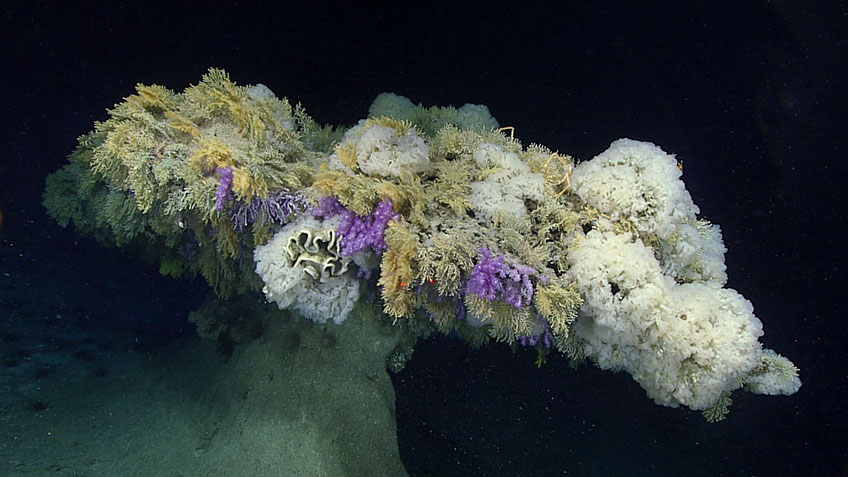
[518, 289]
[277, 207]
[494, 279]
[545, 336]
[485, 281]
[359, 232]
[224, 193]
[328, 206]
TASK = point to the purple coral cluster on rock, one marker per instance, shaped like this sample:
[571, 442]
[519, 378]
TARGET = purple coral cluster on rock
[494, 279]
[277, 207]
[224, 193]
[359, 232]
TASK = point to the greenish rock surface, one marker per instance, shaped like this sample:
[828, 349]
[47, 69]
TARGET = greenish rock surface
[307, 399]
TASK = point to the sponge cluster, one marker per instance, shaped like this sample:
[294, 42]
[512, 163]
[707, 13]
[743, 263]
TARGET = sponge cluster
[637, 183]
[290, 286]
[683, 343]
[475, 117]
[504, 190]
[384, 151]
[660, 312]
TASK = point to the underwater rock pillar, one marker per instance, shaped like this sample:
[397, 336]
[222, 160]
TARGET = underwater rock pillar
[308, 399]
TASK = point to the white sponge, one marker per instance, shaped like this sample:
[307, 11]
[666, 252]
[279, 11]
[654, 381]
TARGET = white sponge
[683, 343]
[391, 105]
[636, 181]
[504, 191]
[290, 285]
[382, 151]
[660, 312]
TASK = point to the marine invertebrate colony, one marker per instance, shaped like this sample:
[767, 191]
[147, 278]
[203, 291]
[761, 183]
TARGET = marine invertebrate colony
[492, 279]
[467, 230]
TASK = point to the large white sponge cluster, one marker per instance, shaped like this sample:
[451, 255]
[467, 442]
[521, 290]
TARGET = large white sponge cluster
[683, 343]
[636, 181]
[639, 184]
[290, 286]
[652, 275]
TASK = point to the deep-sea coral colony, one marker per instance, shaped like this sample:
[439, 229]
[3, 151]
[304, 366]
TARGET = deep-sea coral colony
[459, 227]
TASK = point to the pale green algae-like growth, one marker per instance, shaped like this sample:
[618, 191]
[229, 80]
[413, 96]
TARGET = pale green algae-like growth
[421, 219]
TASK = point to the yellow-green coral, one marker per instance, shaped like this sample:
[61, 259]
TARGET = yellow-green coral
[558, 302]
[149, 173]
[314, 136]
[359, 193]
[217, 95]
[396, 271]
[442, 264]
[346, 152]
[507, 323]
[720, 410]
[451, 142]
[213, 124]
[453, 185]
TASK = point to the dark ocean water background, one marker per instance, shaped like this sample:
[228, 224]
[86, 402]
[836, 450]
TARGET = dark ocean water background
[751, 95]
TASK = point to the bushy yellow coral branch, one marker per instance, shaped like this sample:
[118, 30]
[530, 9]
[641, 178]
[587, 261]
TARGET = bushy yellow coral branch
[211, 153]
[558, 302]
[182, 124]
[152, 97]
[396, 273]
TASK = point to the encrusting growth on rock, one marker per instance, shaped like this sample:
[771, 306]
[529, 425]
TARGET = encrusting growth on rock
[432, 215]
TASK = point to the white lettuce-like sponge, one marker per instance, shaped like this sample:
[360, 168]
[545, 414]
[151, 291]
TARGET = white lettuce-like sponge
[504, 191]
[312, 280]
[683, 343]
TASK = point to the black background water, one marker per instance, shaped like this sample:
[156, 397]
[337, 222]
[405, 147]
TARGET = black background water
[751, 95]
